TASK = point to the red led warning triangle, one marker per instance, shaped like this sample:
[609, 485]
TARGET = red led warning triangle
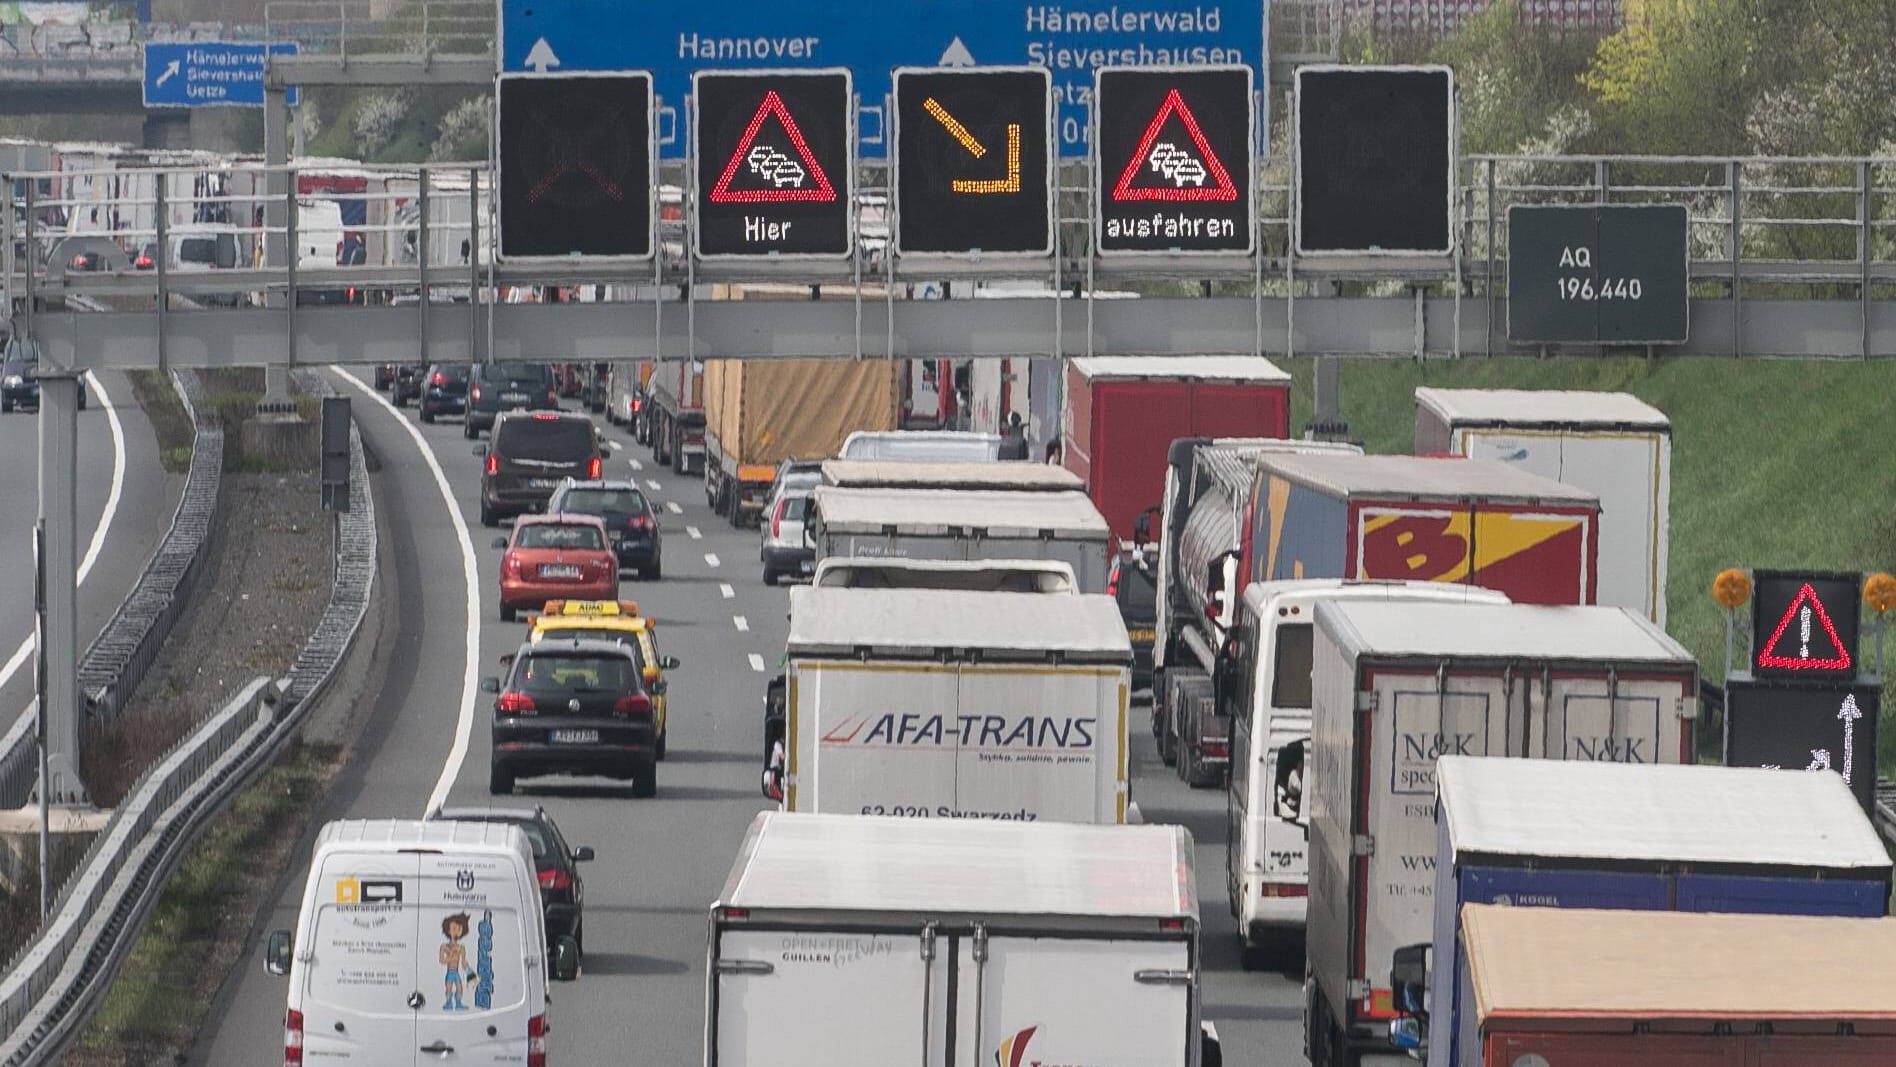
[1768, 655]
[790, 180]
[1218, 187]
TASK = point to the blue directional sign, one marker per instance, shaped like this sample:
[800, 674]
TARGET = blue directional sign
[208, 73]
[672, 38]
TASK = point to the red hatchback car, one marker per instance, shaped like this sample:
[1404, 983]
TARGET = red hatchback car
[555, 557]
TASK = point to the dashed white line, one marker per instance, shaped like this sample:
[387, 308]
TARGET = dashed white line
[637, 464]
[655, 484]
[726, 591]
[694, 532]
[757, 663]
[743, 624]
[672, 506]
[711, 559]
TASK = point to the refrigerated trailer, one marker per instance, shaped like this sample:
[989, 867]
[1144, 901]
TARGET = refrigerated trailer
[963, 524]
[947, 704]
[844, 940]
[1588, 988]
[1611, 444]
[1642, 838]
[1394, 687]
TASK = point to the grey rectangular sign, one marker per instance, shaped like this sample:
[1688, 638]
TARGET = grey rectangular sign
[1597, 274]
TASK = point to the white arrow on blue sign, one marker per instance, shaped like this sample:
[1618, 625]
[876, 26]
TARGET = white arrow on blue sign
[208, 73]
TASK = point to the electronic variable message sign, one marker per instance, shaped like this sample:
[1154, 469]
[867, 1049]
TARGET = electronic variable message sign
[1173, 167]
[1375, 162]
[773, 162]
[973, 169]
[576, 166]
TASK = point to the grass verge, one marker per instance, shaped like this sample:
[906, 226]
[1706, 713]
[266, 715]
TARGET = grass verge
[197, 930]
[169, 421]
[1774, 463]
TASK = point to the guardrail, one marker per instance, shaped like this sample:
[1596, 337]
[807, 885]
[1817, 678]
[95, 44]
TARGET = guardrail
[351, 28]
[52, 988]
[116, 661]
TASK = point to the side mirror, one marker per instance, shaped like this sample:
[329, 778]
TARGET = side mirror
[583, 854]
[490, 684]
[500, 542]
[276, 953]
[480, 450]
[670, 663]
[1409, 978]
[565, 959]
[1142, 526]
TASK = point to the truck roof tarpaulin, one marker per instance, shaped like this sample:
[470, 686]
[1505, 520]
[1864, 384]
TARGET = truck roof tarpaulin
[992, 512]
[1502, 633]
[1000, 475]
[924, 622]
[1565, 409]
[1180, 368]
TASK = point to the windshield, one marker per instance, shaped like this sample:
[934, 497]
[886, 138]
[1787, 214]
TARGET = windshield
[623, 637]
[1290, 674]
[550, 440]
[564, 672]
[559, 535]
[454, 372]
[601, 501]
[796, 508]
[517, 372]
[198, 250]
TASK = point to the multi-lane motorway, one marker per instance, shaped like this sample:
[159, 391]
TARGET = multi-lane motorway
[423, 738]
[125, 506]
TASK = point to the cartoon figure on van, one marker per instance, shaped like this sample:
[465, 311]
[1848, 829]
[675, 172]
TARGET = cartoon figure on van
[453, 956]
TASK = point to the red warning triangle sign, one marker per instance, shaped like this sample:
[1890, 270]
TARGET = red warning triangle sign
[1768, 655]
[1194, 177]
[786, 180]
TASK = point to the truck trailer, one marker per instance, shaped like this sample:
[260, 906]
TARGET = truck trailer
[672, 417]
[1611, 444]
[844, 940]
[758, 413]
[1469, 521]
[1120, 414]
[1394, 687]
[963, 524]
[1668, 838]
[946, 704]
[1585, 988]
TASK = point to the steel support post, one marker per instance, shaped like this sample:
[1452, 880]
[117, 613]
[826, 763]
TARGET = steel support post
[276, 221]
[58, 484]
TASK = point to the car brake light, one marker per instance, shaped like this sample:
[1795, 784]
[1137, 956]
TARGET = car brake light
[555, 880]
[142, 262]
[776, 518]
[592, 468]
[1112, 580]
[515, 704]
[438, 379]
[493, 464]
[634, 704]
[474, 391]
[293, 1038]
[633, 404]
[546, 416]
[536, 1041]
[637, 522]
[1217, 751]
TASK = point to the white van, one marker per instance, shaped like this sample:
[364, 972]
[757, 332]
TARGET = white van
[927, 446]
[418, 940]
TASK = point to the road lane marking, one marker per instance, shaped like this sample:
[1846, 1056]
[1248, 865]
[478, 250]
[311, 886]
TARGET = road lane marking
[470, 580]
[743, 624]
[711, 559]
[672, 506]
[97, 545]
[696, 535]
[726, 591]
[655, 484]
[636, 464]
[757, 663]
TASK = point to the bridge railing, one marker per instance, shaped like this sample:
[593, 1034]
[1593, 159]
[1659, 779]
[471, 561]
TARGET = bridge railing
[356, 28]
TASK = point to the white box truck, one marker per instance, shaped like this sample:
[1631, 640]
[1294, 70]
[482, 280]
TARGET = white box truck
[844, 940]
[948, 704]
[1612, 444]
[1395, 686]
[963, 524]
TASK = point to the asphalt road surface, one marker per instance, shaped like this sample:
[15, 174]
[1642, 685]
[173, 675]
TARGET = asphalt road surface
[122, 488]
[660, 861]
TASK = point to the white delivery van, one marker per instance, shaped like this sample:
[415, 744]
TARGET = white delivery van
[1614, 445]
[931, 446]
[964, 524]
[985, 576]
[844, 940]
[1014, 475]
[948, 704]
[418, 942]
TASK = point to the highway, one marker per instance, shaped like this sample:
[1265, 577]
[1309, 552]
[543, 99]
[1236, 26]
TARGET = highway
[125, 504]
[660, 861]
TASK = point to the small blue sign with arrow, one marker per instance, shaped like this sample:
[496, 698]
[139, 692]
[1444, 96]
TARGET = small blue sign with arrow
[208, 73]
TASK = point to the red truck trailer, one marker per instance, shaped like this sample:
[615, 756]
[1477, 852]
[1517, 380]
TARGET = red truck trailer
[1122, 413]
[1472, 521]
[1580, 988]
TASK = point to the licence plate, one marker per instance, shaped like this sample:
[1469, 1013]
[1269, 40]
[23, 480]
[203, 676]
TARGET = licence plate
[542, 483]
[559, 570]
[1139, 635]
[575, 737]
[514, 398]
[616, 535]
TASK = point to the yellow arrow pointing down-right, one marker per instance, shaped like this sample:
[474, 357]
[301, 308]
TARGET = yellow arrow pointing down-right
[1009, 184]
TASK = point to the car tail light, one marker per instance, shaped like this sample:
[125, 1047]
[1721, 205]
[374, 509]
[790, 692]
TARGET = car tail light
[515, 704]
[555, 880]
[776, 518]
[536, 1041]
[552, 398]
[438, 379]
[637, 522]
[634, 704]
[592, 467]
[510, 566]
[142, 262]
[474, 391]
[293, 1038]
[1112, 580]
[634, 404]
[1273, 889]
[1217, 751]
[493, 463]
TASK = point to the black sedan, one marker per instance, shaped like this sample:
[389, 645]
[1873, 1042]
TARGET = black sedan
[554, 862]
[631, 524]
[444, 391]
[19, 378]
[573, 707]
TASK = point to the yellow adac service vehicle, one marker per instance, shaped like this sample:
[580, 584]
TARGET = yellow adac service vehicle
[611, 620]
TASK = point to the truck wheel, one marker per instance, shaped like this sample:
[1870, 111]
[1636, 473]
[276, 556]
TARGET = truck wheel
[738, 510]
[645, 775]
[1187, 763]
[678, 464]
[1168, 735]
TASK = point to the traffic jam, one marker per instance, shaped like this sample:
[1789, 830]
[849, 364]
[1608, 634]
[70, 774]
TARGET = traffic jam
[1364, 652]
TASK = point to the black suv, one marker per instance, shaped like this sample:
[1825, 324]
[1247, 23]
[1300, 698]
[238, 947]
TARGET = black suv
[496, 387]
[573, 707]
[408, 379]
[19, 377]
[531, 453]
[444, 391]
[555, 863]
[631, 524]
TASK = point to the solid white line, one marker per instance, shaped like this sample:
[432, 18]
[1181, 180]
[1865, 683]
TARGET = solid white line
[655, 484]
[757, 663]
[636, 465]
[97, 545]
[694, 533]
[726, 591]
[470, 682]
[743, 624]
[711, 559]
[672, 506]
